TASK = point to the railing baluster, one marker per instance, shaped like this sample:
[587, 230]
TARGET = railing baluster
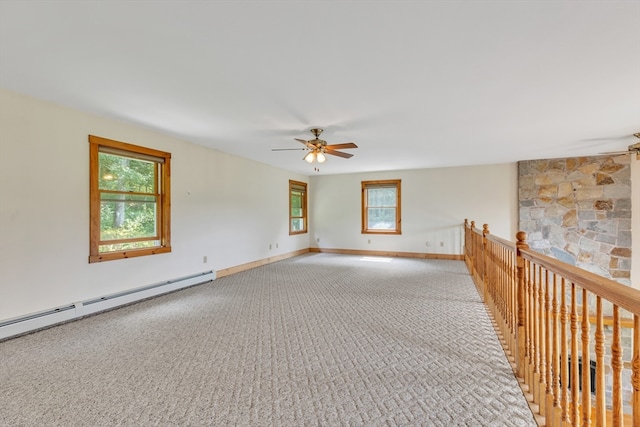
[513, 300]
[513, 278]
[601, 404]
[485, 281]
[548, 333]
[474, 267]
[467, 244]
[616, 367]
[542, 345]
[531, 272]
[536, 334]
[575, 415]
[554, 414]
[564, 319]
[586, 362]
[521, 335]
[501, 291]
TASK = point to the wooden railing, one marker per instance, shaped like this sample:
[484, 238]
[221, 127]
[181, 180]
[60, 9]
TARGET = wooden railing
[561, 326]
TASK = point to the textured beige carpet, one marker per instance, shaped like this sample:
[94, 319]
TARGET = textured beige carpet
[317, 340]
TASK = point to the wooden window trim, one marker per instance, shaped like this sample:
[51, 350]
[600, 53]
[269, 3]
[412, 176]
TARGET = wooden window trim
[292, 185]
[163, 168]
[373, 184]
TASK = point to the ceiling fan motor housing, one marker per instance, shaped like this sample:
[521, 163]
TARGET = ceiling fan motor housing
[316, 132]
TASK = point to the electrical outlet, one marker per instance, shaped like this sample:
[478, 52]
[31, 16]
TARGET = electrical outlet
[441, 243]
[317, 240]
[270, 246]
[204, 259]
[369, 241]
[428, 243]
[276, 246]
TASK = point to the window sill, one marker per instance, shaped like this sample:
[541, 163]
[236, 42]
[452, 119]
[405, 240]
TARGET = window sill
[110, 256]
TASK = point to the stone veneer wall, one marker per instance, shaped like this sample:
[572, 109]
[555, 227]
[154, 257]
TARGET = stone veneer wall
[578, 210]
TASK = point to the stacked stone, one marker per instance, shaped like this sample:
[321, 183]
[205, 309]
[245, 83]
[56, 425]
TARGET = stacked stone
[578, 210]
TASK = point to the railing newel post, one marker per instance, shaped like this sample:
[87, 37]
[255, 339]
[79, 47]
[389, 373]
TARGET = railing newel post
[521, 243]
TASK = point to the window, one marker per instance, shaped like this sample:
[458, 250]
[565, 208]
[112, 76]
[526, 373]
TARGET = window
[297, 207]
[129, 200]
[381, 206]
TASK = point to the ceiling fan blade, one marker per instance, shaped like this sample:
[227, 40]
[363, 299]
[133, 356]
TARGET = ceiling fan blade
[341, 146]
[301, 141]
[633, 148]
[609, 153]
[288, 149]
[338, 153]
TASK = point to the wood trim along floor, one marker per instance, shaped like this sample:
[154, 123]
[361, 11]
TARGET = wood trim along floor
[389, 254]
[265, 261]
[258, 263]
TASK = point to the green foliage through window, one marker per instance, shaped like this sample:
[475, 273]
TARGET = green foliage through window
[128, 200]
[381, 212]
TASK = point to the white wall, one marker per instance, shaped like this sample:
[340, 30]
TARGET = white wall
[435, 203]
[223, 207]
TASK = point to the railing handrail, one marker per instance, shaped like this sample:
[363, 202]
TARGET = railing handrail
[504, 242]
[623, 296]
[476, 230]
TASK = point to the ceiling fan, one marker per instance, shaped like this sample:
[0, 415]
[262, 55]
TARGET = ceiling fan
[633, 148]
[317, 148]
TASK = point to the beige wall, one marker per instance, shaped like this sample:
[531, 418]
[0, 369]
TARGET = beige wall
[435, 203]
[223, 207]
[635, 222]
[44, 210]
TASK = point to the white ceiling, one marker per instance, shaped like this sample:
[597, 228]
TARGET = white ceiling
[416, 84]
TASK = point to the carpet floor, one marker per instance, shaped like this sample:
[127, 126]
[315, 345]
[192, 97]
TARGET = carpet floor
[316, 340]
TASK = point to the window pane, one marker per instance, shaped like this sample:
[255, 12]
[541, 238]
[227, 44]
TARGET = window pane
[297, 224]
[297, 212]
[296, 199]
[385, 196]
[381, 218]
[127, 216]
[126, 174]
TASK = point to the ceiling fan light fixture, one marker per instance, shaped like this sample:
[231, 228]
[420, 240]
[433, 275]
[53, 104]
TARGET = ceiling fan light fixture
[320, 157]
[310, 157]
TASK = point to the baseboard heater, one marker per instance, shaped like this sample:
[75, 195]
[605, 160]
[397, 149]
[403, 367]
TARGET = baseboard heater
[43, 319]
